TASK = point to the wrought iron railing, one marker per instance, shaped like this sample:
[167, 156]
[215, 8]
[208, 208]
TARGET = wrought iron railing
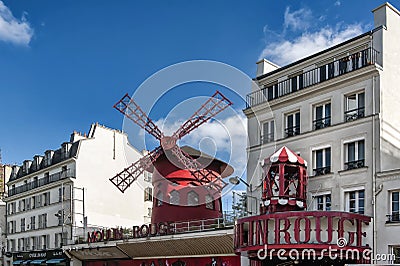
[317, 75]
[267, 138]
[354, 164]
[41, 182]
[322, 123]
[292, 131]
[322, 170]
[354, 114]
[393, 218]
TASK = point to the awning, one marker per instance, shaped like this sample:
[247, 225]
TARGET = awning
[26, 261]
[55, 261]
[17, 262]
[37, 261]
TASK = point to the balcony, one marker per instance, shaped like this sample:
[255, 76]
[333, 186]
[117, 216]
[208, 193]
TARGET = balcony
[267, 138]
[41, 182]
[292, 131]
[393, 218]
[354, 114]
[354, 164]
[312, 77]
[322, 170]
[322, 123]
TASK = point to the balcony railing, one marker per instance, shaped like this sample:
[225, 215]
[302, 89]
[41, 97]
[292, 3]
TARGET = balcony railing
[354, 114]
[317, 75]
[292, 131]
[41, 182]
[322, 123]
[267, 138]
[322, 170]
[393, 218]
[354, 164]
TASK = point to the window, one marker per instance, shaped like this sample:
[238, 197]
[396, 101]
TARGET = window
[174, 197]
[46, 198]
[33, 202]
[192, 198]
[34, 242]
[159, 197]
[322, 161]
[147, 176]
[42, 221]
[12, 226]
[22, 224]
[33, 220]
[355, 155]
[209, 202]
[60, 216]
[58, 240]
[27, 243]
[355, 201]
[268, 132]
[394, 215]
[21, 244]
[61, 194]
[148, 194]
[396, 253]
[323, 202]
[292, 124]
[355, 106]
[322, 116]
[45, 241]
[28, 203]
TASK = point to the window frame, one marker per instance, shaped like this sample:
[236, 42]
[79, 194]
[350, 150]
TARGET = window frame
[295, 128]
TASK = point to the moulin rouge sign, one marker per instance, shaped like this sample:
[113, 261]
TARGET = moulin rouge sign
[301, 230]
[145, 230]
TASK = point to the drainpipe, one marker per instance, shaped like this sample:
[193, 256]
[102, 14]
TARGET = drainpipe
[374, 192]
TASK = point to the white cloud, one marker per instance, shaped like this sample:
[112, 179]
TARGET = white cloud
[337, 3]
[298, 19]
[287, 51]
[225, 137]
[12, 29]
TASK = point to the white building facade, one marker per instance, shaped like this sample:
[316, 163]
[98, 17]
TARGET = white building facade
[338, 109]
[55, 199]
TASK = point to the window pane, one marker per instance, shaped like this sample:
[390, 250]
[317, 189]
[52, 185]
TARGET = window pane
[351, 153]
[328, 202]
[361, 150]
[193, 198]
[174, 197]
[318, 112]
[361, 100]
[327, 110]
[298, 119]
[290, 121]
[318, 155]
[265, 129]
[328, 157]
[272, 130]
[351, 102]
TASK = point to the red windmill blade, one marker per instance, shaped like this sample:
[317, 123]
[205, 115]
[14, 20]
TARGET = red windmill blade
[214, 105]
[126, 177]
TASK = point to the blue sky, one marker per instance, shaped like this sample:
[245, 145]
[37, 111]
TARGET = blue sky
[63, 64]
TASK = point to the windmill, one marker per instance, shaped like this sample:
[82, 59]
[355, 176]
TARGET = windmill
[202, 176]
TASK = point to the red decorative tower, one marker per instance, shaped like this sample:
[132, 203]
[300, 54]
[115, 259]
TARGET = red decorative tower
[285, 182]
[187, 184]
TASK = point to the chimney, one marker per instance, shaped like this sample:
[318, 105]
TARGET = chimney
[264, 66]
[48, 156]
[75, 136]
[37, 160]
[65, 147]
[14, 171]
[26, 165]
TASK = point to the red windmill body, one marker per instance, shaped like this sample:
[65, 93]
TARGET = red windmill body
[187, 184]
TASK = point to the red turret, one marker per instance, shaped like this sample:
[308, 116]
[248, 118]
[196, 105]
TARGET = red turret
[285, 182]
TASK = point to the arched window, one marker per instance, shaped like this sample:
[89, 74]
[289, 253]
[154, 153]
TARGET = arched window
[159, 197]
[192, 198]
[174, 197]
[209, 202]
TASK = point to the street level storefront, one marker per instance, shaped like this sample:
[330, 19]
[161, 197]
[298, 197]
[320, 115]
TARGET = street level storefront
[49, 257]
[210, 247]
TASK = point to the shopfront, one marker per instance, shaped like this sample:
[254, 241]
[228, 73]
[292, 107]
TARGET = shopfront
[49, 257]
